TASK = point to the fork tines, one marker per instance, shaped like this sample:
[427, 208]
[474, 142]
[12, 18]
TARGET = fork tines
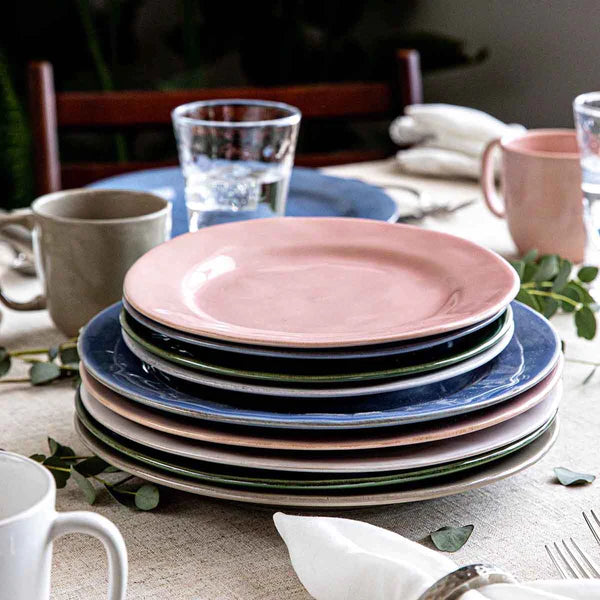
[594, 524]
[572, 562]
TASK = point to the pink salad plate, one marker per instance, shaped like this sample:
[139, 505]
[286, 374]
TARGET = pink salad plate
[361, 439]
[318, 282]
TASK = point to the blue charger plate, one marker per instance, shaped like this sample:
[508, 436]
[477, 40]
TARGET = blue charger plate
[529, 357]
[312, 194]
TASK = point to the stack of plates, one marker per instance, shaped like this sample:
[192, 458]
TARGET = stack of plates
[319, 363]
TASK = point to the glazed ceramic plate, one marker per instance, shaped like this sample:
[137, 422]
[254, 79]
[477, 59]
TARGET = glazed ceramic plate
[461, 482]
[177, 340]
[311, 194]
[382, 459]
[305, 390]
[530, 356]
[298, 371]
[286, 439]
[318, 282]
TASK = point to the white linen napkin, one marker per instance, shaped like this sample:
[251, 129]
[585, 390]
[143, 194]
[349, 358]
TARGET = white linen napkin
[341, 559]
[448, 140]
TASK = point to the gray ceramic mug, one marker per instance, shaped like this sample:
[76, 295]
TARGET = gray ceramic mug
[84, 242]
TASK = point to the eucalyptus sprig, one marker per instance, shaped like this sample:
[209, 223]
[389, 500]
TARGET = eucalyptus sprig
[47, 364]
[547, 286]
[64, 464]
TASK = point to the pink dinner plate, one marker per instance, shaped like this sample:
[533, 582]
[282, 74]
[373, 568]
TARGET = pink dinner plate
[277, 439]
[318, 282]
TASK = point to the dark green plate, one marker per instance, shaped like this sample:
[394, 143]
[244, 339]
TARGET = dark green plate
[350, 370]
[280, 480]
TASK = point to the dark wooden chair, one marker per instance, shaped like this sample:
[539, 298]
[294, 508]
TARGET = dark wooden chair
[72, 111]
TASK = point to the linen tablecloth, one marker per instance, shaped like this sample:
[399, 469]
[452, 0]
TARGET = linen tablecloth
[198, 548]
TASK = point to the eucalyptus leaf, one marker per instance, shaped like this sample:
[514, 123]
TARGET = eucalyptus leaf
[124, 498]
[519, 267]
[585, 320]
[567, 477]
[584, 294]
[89, 491]
[60, 469]
[526, 298]
[587, 274]
[52, 353]
[69, 355]
[43, 372]
[59, 451]
[550, 307]
[5, 363]
[548, 268]
[563, 276]
[93, 465]
[38, 457]
[147, 497]
[451, 539]
[531, 256]
[529, 272]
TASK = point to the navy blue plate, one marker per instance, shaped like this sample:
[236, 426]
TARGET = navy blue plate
[529, 357]
[311, 194]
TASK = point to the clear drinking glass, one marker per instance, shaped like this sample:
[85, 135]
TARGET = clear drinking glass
[237, 158]
[586, 108]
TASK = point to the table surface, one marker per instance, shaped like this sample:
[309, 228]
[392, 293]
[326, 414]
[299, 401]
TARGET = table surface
[197, 548]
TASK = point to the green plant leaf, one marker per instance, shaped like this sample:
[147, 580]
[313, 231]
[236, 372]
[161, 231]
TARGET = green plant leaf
[548, 268]
[587, 274]
[69, 355]
[550, 306]
[563, 276]
[59, 451]
[584, 294]
[38, 457]
[531, 256]
[52, 353]
[567, 477]
[585, 320]
[5, 363]
[529, 272]
[526, 298]
[59, 468]
[126, 499]
[572, 293]
[519, 267]
[147, 497]
[89, 491]
[451, 539]
[91, 466]
[43, 372]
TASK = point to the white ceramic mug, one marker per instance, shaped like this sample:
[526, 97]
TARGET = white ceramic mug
[29, 524]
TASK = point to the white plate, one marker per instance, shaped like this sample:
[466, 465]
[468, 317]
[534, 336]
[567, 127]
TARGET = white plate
[321, 392]
[365, 461]
[496, 471]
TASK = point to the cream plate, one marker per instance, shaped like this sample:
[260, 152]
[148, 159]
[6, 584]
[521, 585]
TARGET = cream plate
[320, 282]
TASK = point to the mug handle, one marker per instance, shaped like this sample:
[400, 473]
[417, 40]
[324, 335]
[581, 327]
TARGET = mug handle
[24, 218]
[99, 527]
[492, 198]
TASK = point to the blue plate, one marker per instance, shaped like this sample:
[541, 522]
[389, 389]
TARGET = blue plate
[529, 357]
[311, 194]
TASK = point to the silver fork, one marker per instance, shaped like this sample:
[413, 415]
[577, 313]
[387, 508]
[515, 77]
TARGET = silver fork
[594, 527]
[571, 566]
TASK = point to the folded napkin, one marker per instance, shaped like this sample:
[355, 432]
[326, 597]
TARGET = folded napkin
[447, 140]
[340, 559]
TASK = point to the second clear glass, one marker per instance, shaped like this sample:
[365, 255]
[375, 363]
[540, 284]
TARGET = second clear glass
[237, 158]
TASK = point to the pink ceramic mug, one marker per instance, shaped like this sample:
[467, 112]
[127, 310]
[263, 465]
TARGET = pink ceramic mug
[541, 183]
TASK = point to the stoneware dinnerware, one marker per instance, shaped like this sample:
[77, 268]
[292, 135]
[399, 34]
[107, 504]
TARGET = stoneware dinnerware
[29, 524]
[442, 343]
[529, 357]
[384, 459]
[84, 242]
[339, 389]
[345, 439]
[542, 199]
[285, 480]
[296, 371]
[286, 282]
[457, 484]
[312, 194]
